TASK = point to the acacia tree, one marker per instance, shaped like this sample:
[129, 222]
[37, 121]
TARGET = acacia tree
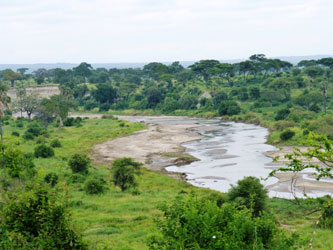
[11, 76]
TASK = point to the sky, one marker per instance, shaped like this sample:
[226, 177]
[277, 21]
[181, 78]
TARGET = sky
[114, 31]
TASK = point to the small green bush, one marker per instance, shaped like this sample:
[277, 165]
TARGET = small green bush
[55, 143]
[79, 163]
[94, 186]
[229, 108]
[250, 193]
[43, 151]
[76, 178]
[124, 171]
[326, 220]
[51, 178]
[15, 133]
[28, 136]
[287, 134]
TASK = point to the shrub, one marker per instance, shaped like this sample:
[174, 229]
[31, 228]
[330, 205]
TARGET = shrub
[43, 151]
[28, 136]
[76, 178]
[79, 163]
[51, 178]
[250, 193]
[124, 171]
[109, 117]
[282, 114]
[326, 220]
[55, 143]
[15, 162]
[287, 134]
[229, 108]
[15, 133]
[282, 125]
[68, 122]
[104, 107]
[37, 219]
[36, 131]
[194, 224]
[94, 186]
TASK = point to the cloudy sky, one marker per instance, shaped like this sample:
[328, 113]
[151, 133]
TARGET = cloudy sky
[49, 31]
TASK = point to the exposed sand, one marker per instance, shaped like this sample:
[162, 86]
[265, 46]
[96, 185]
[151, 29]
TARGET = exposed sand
[300, 183]
[149, 145]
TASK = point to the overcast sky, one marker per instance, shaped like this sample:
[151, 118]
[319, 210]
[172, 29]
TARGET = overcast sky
[49, 31]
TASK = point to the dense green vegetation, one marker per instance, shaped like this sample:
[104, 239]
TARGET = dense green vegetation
[270, 91]
[47, 179]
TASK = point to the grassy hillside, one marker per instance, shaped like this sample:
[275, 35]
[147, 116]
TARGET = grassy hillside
[125, 220]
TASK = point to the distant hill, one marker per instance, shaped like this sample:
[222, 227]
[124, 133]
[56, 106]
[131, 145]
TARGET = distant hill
[33, 67]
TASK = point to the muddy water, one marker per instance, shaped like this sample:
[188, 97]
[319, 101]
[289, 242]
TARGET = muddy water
[229, 152]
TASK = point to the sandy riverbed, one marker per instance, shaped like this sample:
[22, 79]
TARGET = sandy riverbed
[150, 145]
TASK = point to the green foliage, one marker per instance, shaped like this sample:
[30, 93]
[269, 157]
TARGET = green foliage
[28, 136]
[43, 151]
[229, 108]
[94, 186]
[287, 134]
[124, 171]
[249, 193]
[282, 114]
[36, 218]
[51, 178]
[15, 133]
[14, 162]
[55, 143]
[194, 224]
[79, 163]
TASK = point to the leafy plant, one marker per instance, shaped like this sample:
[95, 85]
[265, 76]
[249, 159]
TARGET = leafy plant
[124, 171]
[249, 193]
[79, 163]
[43, 151]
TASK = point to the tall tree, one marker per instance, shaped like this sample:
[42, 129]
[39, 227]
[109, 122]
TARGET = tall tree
[10, 75]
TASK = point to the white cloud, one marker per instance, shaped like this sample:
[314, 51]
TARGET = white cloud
[145, 30]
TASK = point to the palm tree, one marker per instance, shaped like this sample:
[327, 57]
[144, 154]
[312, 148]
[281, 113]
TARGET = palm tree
[4, 101]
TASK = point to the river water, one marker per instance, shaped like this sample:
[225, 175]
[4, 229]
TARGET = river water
[229, 152]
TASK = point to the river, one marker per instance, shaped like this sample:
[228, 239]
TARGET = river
[228, 152]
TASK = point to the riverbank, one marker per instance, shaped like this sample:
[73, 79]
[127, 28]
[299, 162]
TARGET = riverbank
[160, 146]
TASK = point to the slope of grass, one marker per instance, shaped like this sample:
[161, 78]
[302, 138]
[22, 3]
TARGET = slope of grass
[125, 220]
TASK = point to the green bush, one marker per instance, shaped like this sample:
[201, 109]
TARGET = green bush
[229, 108]
[124, 171]
[282, 114]
[326, 220]
[55, 143]
[15, 133]
[76, 178]
[15, 162]
[36, 219]
[287, 134]
[51, 178]
[250, 193]
[194, 224]
[79, 163]
[94, 186]
[43, 151]
[28, 136]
